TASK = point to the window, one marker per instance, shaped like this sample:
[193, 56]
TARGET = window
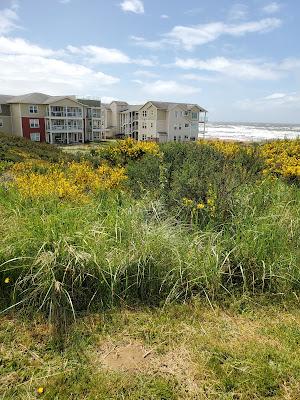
[33, 109]
[186, 137]
[144, 113]
[186, 125]
[176, 114]
[144, 137]
[175, 127]
[144, 125]
[151, 124]
[179, 127]
[186, 113]
[175, 138]
[179, 138]
[1, 123]
[34, 123]
[194, 115]
[35, 137]
[0, 109]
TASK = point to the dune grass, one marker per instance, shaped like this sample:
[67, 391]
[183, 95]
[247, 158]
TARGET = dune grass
[192, 265]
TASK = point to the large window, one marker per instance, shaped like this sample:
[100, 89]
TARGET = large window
[144, 113]
[34, 123]
[35, 137]
[194, 115]
[33, 109]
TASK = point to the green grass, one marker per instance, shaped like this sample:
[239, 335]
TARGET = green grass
[16, 149]
[206, 300]
[195, 352]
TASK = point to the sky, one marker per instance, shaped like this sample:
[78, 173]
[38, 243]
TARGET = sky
[238, 59]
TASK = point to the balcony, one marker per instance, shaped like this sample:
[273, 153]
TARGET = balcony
[65, 128]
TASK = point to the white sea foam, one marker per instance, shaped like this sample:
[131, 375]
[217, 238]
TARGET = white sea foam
[251, 131]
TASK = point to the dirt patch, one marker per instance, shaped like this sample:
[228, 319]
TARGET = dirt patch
[130, 357]
[133, 357]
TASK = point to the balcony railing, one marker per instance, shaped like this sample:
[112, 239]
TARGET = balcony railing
[64, 114]
[65, 128]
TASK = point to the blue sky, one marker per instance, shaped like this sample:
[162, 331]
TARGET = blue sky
[238, 59]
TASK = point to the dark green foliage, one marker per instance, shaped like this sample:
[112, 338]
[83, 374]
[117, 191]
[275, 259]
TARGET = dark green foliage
[16, 149]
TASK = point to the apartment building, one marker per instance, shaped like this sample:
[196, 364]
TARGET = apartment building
[69, 120]
[53, 119]
[165, 121]
[5, 114]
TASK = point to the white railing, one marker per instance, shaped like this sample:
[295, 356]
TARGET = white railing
[65, 128]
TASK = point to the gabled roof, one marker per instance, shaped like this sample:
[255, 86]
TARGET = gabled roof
[54, 99]
[90, 102]
[134, 107]
[166, 105]
[34, 98]
[4, 98]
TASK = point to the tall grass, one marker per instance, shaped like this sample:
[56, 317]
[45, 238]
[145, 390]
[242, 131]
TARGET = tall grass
[64, 258]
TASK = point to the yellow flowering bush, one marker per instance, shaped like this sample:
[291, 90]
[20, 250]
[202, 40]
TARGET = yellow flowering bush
[72, 181]
[282, 158]
[228, 148]
[129, 149]
[209, 205]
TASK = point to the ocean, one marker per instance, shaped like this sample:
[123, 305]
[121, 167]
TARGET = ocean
[250, 131]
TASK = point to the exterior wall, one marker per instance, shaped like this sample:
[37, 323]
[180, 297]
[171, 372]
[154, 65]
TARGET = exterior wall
[6, 124]
[16, 125]
[27, 130]
[24, 109]
[177, 121]
[148, 123]
[116, 109]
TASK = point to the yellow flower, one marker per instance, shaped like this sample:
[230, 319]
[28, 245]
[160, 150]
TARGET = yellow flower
[7, 280]
[40, 390]
[187, 202]
[200, 206]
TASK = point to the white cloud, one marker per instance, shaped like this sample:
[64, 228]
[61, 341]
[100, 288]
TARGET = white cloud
[21, 46]
[135, 6]
[199, 78]
[275, 101]
[272, 8]
[26, 67]
[100, 55]
[164, 16]
[145, 74]
[140, 41]
[8, 19]
[238, 11]
[275, 96]
[169, 89]
[242, 69]
[103, 55]
[191, 36]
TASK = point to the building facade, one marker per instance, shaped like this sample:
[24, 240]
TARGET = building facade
[68, 120]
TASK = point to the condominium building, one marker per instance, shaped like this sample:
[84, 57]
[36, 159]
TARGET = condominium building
[52, 119]
[69, 120]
